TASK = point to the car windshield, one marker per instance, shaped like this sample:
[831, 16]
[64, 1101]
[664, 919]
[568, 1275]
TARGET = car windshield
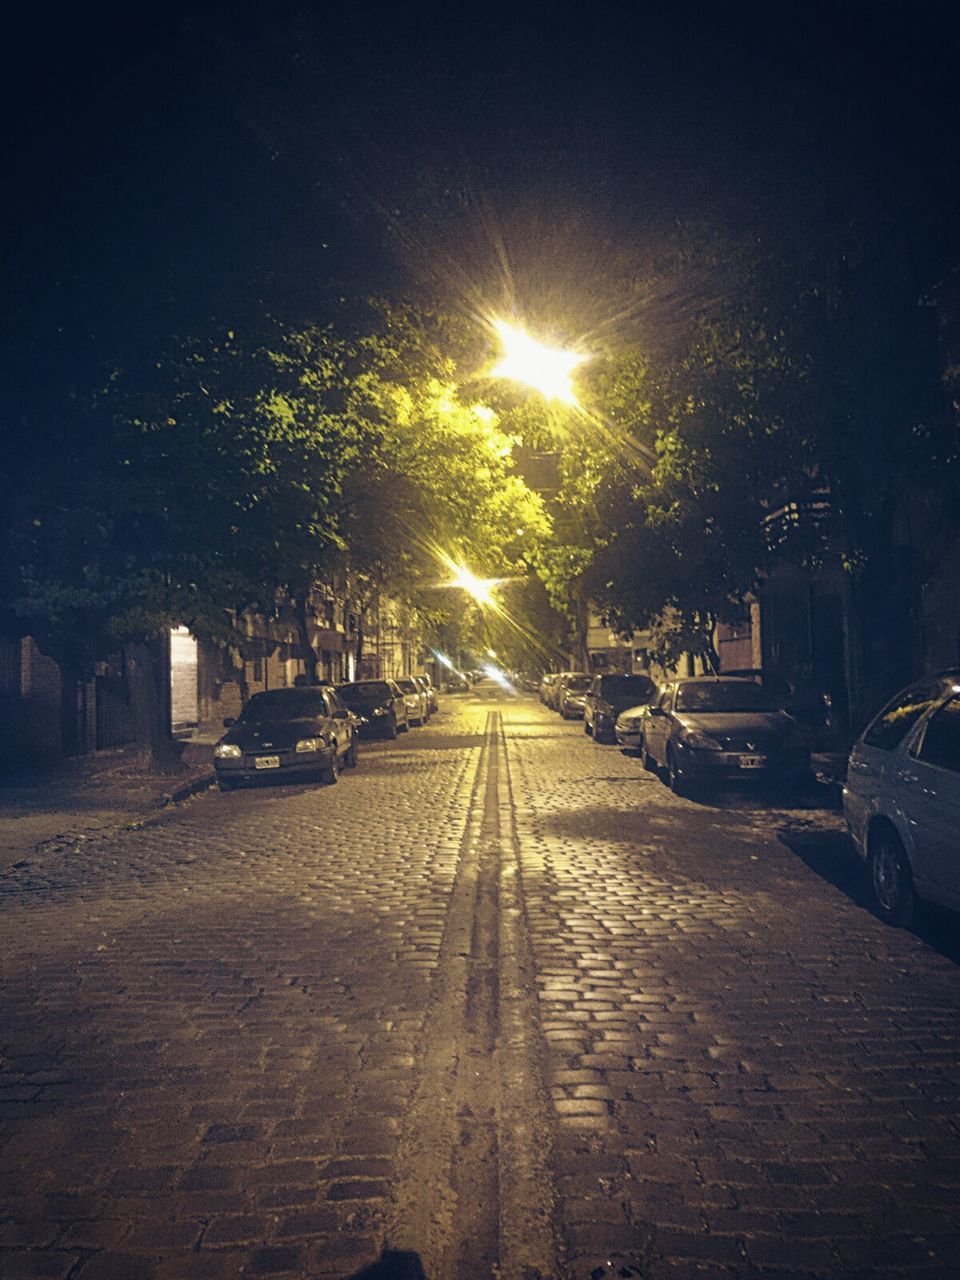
[371, 691]
[407, 685]
[284, 704]
[577, 684]
[725, 695]
[636, 687]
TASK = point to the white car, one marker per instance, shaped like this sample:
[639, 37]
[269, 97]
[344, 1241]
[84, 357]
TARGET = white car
[629, 727]
[901, 799]
[415, 699]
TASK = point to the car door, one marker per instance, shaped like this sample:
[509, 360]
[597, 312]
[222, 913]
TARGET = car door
[656, 725]
[590, 702]
[342, 725]
[873, 761]
[928, 779]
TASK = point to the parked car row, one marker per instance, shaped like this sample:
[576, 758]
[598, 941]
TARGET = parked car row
[312, 731]
[901, 797]
[697, 731]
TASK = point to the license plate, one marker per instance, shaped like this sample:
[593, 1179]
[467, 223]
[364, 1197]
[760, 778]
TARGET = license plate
[267, 762]
[752, 762]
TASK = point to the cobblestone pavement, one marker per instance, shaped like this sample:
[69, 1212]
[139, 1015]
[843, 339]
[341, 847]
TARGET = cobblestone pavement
[497, 1002]
[751, 1074]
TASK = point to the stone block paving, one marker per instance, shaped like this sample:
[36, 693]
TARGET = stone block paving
[751, 1075]
[210, 1026]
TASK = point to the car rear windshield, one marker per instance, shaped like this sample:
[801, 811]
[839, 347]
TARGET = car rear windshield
[284, 704]
[367, 691]
[636, 687]
[725, 695]
[578, 683]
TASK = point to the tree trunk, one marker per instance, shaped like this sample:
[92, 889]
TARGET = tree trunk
[307, 651]
[360, 639]
[156, 748]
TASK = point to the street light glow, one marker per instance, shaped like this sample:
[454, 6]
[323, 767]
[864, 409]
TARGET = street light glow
[546, 369]
[479, 589]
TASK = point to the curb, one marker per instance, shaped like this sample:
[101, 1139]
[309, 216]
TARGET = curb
[188, 789]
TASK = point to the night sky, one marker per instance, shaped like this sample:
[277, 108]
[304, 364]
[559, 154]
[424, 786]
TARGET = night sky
[171, 162]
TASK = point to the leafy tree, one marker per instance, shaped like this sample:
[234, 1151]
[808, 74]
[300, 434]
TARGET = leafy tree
[183, 493]
[235, 471]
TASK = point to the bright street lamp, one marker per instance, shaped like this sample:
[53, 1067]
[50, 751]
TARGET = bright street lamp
[479, 589]
[546, 369]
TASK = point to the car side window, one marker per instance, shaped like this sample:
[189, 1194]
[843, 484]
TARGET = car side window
[941, 738]
[891, 725]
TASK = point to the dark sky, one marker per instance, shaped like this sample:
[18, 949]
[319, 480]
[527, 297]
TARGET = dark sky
[171, 161]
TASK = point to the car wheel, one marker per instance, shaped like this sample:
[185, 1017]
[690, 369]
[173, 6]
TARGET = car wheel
[646, 759]
[351, 758]
[392, 727]
[226, 784]
[678, 784]
[333, 768]
[891, 879]
[586, 727]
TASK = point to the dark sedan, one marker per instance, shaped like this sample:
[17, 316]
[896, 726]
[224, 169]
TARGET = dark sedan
[379, 706]
[716, 728]
[295, 733]
[610, 695]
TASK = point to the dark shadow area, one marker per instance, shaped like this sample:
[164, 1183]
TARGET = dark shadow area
[393, 1264]
[772, 795]
[831, 855]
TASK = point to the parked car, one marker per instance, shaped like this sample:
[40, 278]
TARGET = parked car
[629, 726]
[571, 691]
[610, 694]
[454, 682]
[415, 699]
[717, 728]
[901, 799]
[426, 688]
[548, 686]
[379, 706]
[288, 734]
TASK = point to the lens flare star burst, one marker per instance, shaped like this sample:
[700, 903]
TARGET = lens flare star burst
[546, 369]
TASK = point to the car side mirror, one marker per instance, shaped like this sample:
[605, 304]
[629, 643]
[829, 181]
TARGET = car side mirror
[229, 722]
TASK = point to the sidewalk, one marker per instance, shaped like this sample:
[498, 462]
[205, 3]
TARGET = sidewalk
[86, 796]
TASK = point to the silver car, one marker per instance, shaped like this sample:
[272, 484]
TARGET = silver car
[901, 799]
[571, 691]
[628, 729]
[715, 729]
[415, 698]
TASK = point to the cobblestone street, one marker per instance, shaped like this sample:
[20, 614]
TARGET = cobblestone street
[497, 1004]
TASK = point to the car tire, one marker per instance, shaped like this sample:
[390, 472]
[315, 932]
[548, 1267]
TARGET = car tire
[646, 759]
[586, 728]
[891, 880]
[332, 771]
[351, 758]
[226, 784]
[678, 784]
[392, 730]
